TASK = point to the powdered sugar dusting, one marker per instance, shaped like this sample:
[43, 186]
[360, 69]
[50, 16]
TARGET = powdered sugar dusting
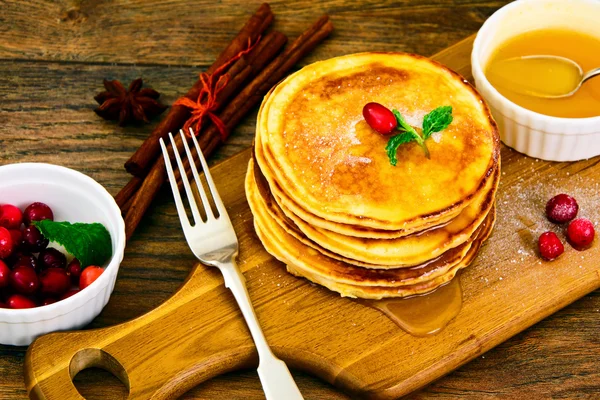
[523, 205]
[525, 188]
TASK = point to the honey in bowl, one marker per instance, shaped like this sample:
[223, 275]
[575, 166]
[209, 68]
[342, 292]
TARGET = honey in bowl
[513, 75]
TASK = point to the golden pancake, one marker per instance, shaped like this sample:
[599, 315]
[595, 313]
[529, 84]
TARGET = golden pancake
[359, 282]
[380, 292]
[267, 215]
[287, 248]
[313, 142]
[344, 229]
[409, 250]
[376, 253]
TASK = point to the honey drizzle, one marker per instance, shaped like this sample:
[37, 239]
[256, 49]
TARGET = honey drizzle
[426, 314]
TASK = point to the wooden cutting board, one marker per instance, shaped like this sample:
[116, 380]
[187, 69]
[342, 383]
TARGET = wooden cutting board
[199, 332]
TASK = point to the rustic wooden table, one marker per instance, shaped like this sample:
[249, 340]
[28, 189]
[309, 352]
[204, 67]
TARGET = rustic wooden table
[54, 55]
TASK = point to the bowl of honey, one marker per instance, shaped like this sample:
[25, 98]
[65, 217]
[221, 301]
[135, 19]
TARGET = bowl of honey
[521, 87]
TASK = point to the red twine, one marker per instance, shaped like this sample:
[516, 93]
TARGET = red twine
[206, 103]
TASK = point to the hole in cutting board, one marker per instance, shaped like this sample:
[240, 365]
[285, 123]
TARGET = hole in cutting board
[98, 384]
[98, 375]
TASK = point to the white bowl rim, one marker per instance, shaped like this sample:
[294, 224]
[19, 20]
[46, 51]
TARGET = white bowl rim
[73, 302]
[482, 79]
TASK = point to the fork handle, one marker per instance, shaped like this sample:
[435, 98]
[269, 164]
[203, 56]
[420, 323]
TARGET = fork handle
[275, 377]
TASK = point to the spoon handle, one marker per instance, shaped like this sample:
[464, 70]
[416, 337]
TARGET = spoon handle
[590, 74]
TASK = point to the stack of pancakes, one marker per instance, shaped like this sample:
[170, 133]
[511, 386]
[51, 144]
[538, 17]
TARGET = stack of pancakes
[326, 200]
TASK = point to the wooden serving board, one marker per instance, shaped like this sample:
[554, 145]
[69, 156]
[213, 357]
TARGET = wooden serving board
[200, 333]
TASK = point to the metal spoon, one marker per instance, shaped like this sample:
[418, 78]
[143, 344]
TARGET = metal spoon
[582, 78]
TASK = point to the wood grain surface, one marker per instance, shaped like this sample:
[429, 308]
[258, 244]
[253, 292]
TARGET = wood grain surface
[53, 58]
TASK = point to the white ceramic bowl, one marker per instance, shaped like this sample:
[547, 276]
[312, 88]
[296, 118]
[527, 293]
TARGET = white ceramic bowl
[73, 197]
[537, 135]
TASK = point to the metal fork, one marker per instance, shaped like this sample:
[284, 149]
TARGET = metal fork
[214, 243]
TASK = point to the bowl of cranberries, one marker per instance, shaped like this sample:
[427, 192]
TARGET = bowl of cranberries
[62, 239]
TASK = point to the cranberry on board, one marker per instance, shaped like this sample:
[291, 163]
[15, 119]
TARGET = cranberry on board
[4, 274]
[52, 258]
[10, 216]
[561, 208]
[74, 270]
[89, 275]
[6, 242]
[20, 301]
[550, 246]
[33, 240]
[24, 280]
[37, 212]
[380, 118]
[580, 233]
[54, 282]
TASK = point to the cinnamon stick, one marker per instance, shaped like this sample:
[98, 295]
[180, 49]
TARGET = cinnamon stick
[241, 70]
[244, 68]
[139, 163]
[231, 115]
[250, 65]
[128, 191]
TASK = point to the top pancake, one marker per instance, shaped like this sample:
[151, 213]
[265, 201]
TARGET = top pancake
[319, 150]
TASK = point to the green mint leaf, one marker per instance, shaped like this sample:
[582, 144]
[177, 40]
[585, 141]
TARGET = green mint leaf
[395, 141]
[402, 124]
[437, 120]
[89, 243]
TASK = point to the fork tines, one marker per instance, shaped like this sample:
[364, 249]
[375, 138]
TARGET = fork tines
[186, 183]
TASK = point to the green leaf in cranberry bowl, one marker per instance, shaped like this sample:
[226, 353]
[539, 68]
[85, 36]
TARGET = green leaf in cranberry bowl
[89, 243]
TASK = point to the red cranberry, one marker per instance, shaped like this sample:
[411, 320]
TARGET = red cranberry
[17, 238]
[379, 118]
[561, 208]
[580, 233]
[28, 260]
[33, 240]
[4, 274]
[69, 294]
[24, 280]
[10, 216]
[19, 301]
[550, 246]
[74, 270]
[89, 275]
[54, 282]
[52, 258]
[6, 242]
[48, 301]
[37, 212]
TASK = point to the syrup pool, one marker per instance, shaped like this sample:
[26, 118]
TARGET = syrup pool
[426, 314]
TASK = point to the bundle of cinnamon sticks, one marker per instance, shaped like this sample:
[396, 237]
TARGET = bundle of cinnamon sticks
[250, 78]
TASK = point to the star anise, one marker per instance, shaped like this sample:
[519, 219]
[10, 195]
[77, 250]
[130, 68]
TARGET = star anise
[136, 103]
